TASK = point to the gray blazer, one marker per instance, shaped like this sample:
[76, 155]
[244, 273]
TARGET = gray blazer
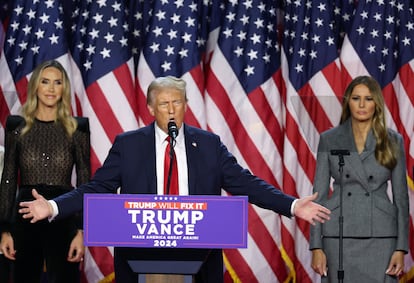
[367, 208]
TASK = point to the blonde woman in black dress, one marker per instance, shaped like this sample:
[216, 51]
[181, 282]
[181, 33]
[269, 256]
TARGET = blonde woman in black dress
[42, 148]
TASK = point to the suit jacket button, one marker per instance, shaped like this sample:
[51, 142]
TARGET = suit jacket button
[367, 194]
[349, 194]
[347, 175]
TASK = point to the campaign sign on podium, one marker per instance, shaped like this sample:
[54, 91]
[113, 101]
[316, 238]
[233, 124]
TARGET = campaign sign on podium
[135, 220]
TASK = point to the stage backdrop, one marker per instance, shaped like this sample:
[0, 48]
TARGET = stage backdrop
[266, 75]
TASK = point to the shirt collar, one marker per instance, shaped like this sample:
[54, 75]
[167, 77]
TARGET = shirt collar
[160, 135]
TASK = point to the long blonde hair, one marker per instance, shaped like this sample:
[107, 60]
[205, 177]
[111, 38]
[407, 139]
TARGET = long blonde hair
[63, 115]
[385, 149]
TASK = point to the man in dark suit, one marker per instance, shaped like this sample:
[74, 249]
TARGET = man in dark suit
[135, 164]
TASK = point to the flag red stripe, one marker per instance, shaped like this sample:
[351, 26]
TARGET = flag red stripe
[406, 76]
[305, 157]
[289, 185]
[250, 153]
[266, 114]
[101, 256]
[142, 105]
[333, 75]
[267, 246]
[126, 82]
[21, 89]
[103, 111]
[289, 243]
[4, 109]
[314, 109]
[243, 270]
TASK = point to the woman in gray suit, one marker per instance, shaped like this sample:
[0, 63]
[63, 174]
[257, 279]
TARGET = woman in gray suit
[374, 192]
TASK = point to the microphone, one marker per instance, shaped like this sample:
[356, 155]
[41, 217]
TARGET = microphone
[341, 152]
[172, 130]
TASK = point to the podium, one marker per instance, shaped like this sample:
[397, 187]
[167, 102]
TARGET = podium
[174, 235]
[172, 265]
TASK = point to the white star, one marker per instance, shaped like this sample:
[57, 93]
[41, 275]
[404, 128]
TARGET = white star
[231, 17]
[35, 49]
[374, 33]
[105, 53]
[157, 31]
[53, 39]
[255, 38]
[44, 18]
[175, 18]
[31, 14]
[252, 54]
[228, 32]
[406, 41]
[40, 33]
[15, 26]
[102, 3]
[90, 49]
[59, 24]
[238, 51]
[123, 41]
[172, 34]
[117, 7]
[49, 3]
[23, 45]
[183, 53]
[94, 33]
[299, 68]
[190, 22]
[245, 20]
[109, 37]
[18, 10]
[113, 22]
[19, 60]
[160, 15]
[169, 50]
[87, 65]
[249, 70]
[179, 3]
[242, 35]
[186, 37]
[155, 47]
[11, 41]
[27, 30]
[371, 49]
[166, 66]
[98, 18]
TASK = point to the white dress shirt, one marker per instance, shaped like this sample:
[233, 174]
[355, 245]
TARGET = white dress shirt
[180, 153]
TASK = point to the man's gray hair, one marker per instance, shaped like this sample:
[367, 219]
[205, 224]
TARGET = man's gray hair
[161, 83]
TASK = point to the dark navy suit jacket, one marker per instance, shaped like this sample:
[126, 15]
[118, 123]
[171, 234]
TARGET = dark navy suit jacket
[130, 166]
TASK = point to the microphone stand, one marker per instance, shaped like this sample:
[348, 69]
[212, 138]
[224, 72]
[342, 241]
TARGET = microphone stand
[172, 155]
[341, 164]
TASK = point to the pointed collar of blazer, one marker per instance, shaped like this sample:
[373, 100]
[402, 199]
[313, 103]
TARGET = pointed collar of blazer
[342, 137]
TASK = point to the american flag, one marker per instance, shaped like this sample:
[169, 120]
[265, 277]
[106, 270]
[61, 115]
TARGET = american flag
[267, 76]
[104, 82]
[381, 43]
[313, 86]
[245, 108]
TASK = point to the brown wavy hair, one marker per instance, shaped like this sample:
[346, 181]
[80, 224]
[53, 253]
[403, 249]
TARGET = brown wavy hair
[64, 114]
[385, 149]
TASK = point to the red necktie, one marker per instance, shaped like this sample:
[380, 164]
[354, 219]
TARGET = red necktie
[174, 171]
